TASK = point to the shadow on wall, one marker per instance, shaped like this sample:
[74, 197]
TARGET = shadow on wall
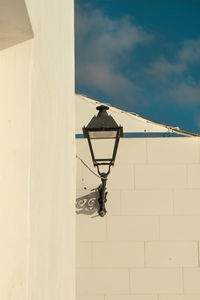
[15, 23]
[88, 204]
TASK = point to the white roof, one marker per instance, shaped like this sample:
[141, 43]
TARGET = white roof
[131, 122]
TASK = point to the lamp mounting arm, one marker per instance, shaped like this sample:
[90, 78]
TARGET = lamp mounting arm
[102, 194]
[101, 174]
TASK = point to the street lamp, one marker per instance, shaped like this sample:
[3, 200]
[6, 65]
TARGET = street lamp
[103, 136]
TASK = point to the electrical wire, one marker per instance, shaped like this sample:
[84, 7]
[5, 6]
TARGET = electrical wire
[87, 166]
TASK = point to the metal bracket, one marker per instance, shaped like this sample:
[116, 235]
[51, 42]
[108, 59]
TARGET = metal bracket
[102, 195]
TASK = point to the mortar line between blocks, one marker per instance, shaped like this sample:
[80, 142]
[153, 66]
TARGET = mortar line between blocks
[129, 270]
[92, 253]
[120, 203]
[133, 166]
[106, 221]
[183, 280]
[187, 176]
[173, 204]
[145, 262]
[147, 158]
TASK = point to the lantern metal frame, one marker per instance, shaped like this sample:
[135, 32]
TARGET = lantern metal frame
[102, 125]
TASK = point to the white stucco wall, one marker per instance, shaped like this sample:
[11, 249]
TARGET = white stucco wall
[37, 157]
[52, 175]
[14, 170]
[147, 246]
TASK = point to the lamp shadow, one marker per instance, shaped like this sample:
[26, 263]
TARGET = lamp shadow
[88, 204]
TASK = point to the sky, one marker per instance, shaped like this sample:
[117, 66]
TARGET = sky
[142, 56]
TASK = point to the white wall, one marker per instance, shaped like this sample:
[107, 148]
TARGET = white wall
[14, 149]
[52, 176]
[37, 156]
[14, 170]
[147, 246]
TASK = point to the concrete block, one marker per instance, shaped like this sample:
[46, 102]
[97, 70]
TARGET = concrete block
[79, 174]
[146, 202]
[118, 254]
[179, 297]
[102, 281]
[151, 280]
[90, 229]
[194, 176]
[85, 177]
[121, 177]
[180, 228]
[89, 297]
[133, 228]
[83, 254]
[160, 176]
[191, 280]
[187, 202]
[89, 180]
[132, 151]
[131, 297]
[170, 150]
[113, 204]
[171, 254]
[83, 150]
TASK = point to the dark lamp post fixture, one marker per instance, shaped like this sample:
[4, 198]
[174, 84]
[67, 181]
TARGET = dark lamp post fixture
[103, 135]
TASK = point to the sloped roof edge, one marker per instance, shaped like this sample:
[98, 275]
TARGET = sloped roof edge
[163, 127]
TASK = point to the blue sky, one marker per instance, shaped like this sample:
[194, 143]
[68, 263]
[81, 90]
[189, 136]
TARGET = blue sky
[142, 56]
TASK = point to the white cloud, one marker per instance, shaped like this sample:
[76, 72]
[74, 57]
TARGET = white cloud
[103, 45]
[162, 68]
[104, 78]
[185, 92]
[189, 53]
[178, 85]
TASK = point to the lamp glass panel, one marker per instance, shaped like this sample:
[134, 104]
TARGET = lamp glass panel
[102, 134]
[103, 149]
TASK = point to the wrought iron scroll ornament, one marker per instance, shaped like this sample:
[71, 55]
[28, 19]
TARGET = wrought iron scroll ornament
[87, 204]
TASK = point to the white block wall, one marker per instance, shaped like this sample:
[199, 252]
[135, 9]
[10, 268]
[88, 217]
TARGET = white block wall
[147, 246]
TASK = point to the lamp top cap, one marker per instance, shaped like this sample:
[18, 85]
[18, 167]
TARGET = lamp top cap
[102, 107]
